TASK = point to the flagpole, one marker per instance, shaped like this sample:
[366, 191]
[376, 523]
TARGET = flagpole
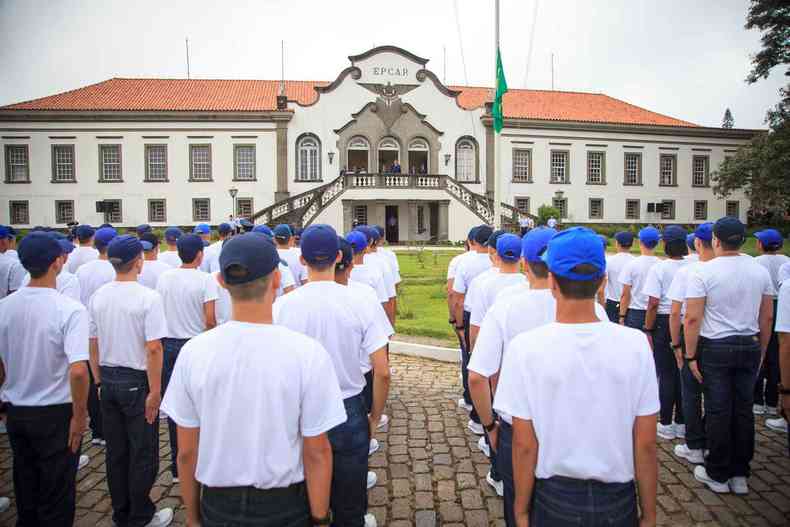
[497, 191]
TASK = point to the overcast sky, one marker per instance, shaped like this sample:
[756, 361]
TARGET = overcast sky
[677, 57]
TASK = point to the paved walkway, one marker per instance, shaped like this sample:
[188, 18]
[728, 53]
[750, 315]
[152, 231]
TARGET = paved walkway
[431, 472]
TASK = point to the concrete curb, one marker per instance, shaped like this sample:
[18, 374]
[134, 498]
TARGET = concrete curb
[427, 352]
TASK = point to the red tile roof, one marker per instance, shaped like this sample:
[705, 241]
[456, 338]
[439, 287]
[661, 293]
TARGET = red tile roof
[261, 96]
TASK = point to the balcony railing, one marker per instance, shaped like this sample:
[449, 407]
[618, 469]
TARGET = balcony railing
[423, 181]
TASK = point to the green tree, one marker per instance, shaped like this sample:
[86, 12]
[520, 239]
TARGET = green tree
[772, 17]
[547, 211]
[727, 121]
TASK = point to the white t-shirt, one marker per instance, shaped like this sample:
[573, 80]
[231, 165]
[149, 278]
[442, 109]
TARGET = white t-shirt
[41, 333]
[286, 279]
[223, 307]
[171, 258]
[65, 284]
[124, 316]
[634, 273]
[659, 280]
[381, 316]
[392, 259]
[692, 258]
[291, 257]
[80, 255]
[370, 275]
[783, 309]
[512, 291]
[184, 293]
[452, 267]
[734, 287]
[210, 261]
[474, 291]
[614, 266]
[152, 270]
[342, 321]
[772, 263]
[12, 253]
[677, 290]
[551, 223]
[784, 273]
[467, 270]
[289, 391]
[11, 274]
[582, 386]
[92, 275]
[379, 261]
[490, 292]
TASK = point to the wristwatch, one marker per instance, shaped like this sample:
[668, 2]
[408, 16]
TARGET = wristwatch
[326, 520]
[690, 359]
[647, 329]
[676, 346]
[489, 428]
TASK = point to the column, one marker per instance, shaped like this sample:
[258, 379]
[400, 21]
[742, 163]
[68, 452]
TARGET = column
[412, 208]
[348, 214]
[281, 189]
[444, 220]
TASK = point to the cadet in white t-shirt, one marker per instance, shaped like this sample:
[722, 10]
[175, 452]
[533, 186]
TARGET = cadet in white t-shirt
[210, 262]
[153, 267]
[43, 363]
[727, 329]
[766, 396]
[457, 325]
[85, 252]
[783, 274]
[366, 274]
[188, 297]
[127, 323]
[345, 325]
[377, 259]
[659, 306]
[392, 258]
[283, 239]
[633, 302]
[11, 271]
[66, 283]
[254, 403]
[203, 231]
[581, 374]
[170, 256]
[693, 255]
[613, 290]
[474, 293]
[782, 329]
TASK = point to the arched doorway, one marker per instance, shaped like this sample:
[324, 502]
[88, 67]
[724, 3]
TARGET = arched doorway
[358, 154]
[389, 154]
[418, 156]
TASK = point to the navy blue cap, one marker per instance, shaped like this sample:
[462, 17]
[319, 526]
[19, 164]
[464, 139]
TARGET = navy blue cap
[142, 229]
[472, 233]
[573, 247]
[298, 232]
[189, 245]
[263, 229]
[347, 254]
[247, 257]
[491, 241]
[649, 236]
[246, 224]
[84, 232]
[508, 247]
[379, 229]
[483, 233]
[283, 232]
[66, 245]
[690, 240]
[729, 229]
[3, 231]
[358, 241]
[57, 235]
[366, 232]
[104, 236]
[37, 251]
[123, 249]
[224, 228]
[202, 228]
[103, 225]
[704, 232]
[770, 238]
[11, 234]
[535, 242]
[319, 244]
[149, 240]
[375, 234]
[673, 233]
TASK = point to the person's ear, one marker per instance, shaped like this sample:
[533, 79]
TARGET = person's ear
[553, 287]
[302, 260]
[275, 281]
[339, 256]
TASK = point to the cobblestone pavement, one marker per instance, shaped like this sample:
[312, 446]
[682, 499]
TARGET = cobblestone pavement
[430, 471]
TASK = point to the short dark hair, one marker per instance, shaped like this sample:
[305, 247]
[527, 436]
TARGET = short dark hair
[651, 244]
[708, 244]
[579, 289]
[539, 269]
[184, 254]
[676, 248]
[36, 272]
[250, 290]
[123, 268]
[321, 267]
[732, 245]
[625, 245]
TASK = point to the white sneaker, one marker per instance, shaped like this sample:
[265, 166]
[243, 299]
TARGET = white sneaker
[498, 486]
[5, 503]
[665, 431]
[374, 446]
[689, 454]
[162, 518]
[701, 475]
[84, 460]
[739, 485]
[680, 430]
[372, 479]
[758, 409]
[370, 521]
[98, 442]
[779, 424]
[483, 446]
[771, 410]
[476, 428]
[384, 421]
[462, 404]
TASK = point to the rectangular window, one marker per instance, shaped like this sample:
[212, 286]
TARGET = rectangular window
[156, 162]
[244, 207]
[63, 164]
[113, 212]
[699, 171]
[667, 166]
[668, 209]
[17, 164]
[596, 208]
[110, 163]
[19, 212]
[361, 214]
[522, 165]
[157, 211]
[201, 209]
[200, 162]
[522, 204]
[64, 211]
[701, 210]
[633, 168]
[632, 209]
[561, 205]
[559, 167]
[244, 162]
[596, 168]
[420, 220]
[733, 209]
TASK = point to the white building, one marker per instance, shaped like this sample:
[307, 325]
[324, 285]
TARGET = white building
[167, 152]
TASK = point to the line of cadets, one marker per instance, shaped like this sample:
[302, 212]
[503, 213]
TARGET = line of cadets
[569, 433]
[270, 402]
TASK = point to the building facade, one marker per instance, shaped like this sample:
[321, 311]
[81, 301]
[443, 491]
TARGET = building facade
[385, 142]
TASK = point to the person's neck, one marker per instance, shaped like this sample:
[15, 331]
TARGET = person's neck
[644, 251]
[131, 276]
[359, 259]
[253, 312]
[103, 255]
[481, 250]
[282, 247]
[676, 258]
[508, 268]
[173, 248]
[706, 255]
[536, 283]
[190, 265]
[49, 280]
[341, 278]
[314, 275]
[736, 252]
[576, 311]
[150, 257]
[623, 250]
[86, 244]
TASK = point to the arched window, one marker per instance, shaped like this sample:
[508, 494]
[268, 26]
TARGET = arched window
[308, 158]
[357, 155]
[418, 156]
[466, 160]
[389, 155]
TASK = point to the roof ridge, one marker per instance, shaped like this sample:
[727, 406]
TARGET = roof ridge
[211, 79]
[58, 94]
[632, 105]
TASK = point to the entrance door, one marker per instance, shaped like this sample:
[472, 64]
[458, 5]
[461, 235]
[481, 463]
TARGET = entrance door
[391, 218]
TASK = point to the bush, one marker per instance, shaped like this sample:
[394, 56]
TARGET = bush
[545, 212]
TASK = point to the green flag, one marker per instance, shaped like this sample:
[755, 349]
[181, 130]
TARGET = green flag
[501, 89]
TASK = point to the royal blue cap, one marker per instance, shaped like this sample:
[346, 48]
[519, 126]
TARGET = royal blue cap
[491, 241]
[224, 228]
[11, 232]
[104, 236]
[149, 240]
[263, 229]
[37, 251]
[142, 229]
[66, 246]
[298, 232]
[375, 234]
[346, 252]
[573, 247]
[379, 229]
[365, 230]
[472, 233]
[690, 240]
[358, 241]
[189, 245]
[508, 247]
[3, 231]
[770, 238]
[483, 233]
[247, 224]
[123, 249]
[729, 229]
[104, 225]
[84, 232]
[247, 257]
[673, 233]
[319, 244]
[704, 232]
[172, 234]
[202, 228]
[535, 242]
[282, 231]
[649, 236]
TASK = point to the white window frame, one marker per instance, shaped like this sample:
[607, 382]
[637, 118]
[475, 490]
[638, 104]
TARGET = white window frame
[156, 169]
[596, 175]
[522, 165]
[110, 169]
[244, 169]
[560, 169]
[632, 175]
[466, 161]
[308, 158]
[63, 164]
[200, 170]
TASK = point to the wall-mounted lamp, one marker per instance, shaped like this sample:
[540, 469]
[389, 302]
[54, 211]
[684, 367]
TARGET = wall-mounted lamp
[447, 159]
[559, 194]
[331, 156]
